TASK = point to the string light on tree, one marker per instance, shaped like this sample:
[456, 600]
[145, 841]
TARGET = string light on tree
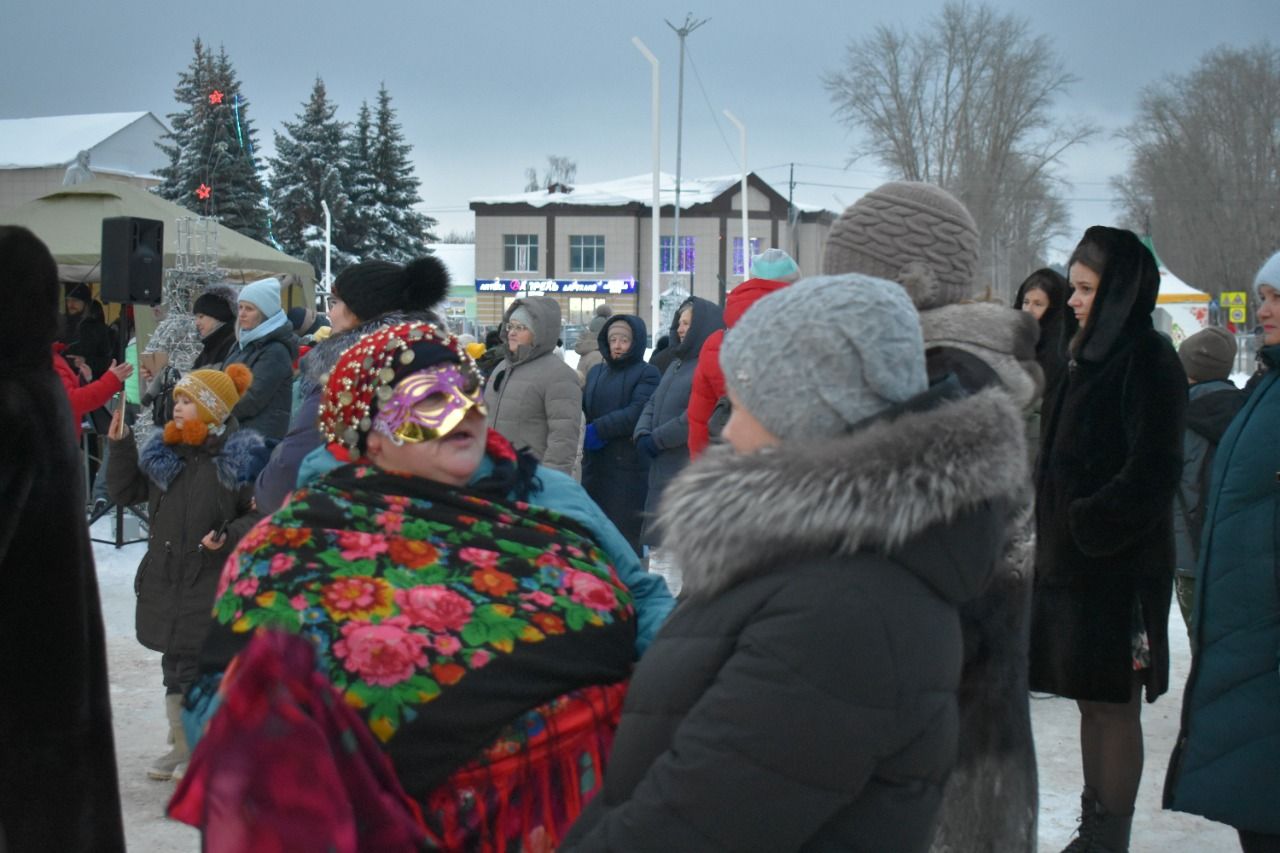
[203, 192]
[215, 98]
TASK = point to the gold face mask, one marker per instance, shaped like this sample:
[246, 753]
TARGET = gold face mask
[429, 404]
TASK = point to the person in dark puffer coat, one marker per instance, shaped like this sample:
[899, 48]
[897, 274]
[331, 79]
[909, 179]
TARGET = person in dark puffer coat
[1109, 467]
[803, 695]
[266, 345]
[662, 432]
[197, 479]
[614, 473]
[1213, 401]
[59, 788]
[1225, 764]
[922, 237]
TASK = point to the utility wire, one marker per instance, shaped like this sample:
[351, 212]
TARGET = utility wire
[710, 109]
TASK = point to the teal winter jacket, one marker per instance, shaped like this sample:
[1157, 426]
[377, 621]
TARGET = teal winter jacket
[1226, 765]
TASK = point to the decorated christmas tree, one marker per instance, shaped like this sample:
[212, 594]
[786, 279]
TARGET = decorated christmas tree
[310, 166]
[212, 168]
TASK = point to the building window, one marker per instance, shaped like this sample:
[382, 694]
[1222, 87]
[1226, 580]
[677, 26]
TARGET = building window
[520, 252]
[582, 309]
[738, 266]
[686, 255]
[586, 253]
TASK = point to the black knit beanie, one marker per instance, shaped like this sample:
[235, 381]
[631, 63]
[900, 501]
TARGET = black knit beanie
[215, 306]
[373, 288]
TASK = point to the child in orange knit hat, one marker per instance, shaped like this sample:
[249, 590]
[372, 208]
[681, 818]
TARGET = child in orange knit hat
[197, 479]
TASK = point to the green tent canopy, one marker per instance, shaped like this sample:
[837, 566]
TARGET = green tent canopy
[69, 222]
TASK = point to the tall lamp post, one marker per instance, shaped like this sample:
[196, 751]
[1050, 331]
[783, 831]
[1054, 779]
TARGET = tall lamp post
[657, 203]
[328, 228]
[746, 238]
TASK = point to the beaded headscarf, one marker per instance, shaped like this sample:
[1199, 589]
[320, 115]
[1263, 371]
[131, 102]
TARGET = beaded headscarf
[366, 376]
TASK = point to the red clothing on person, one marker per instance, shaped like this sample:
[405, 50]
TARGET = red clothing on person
[86, 398]
[708, 380]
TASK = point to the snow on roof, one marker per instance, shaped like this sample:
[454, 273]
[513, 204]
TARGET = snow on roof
[56, 140]
[635, 189]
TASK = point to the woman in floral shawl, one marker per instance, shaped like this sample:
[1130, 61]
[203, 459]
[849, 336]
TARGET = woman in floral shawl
[484, 641]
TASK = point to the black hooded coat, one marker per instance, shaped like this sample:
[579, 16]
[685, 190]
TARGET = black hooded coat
[617, 475]
[666, 415]
[58, 782]
[1110, 464]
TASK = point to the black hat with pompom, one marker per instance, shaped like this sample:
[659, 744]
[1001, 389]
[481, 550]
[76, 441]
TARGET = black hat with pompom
[373, 288]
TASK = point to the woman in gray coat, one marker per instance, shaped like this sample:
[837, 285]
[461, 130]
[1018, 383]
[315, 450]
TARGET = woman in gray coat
[663, 431]
[533, 397]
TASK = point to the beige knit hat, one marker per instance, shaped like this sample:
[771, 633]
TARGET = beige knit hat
[916, 234]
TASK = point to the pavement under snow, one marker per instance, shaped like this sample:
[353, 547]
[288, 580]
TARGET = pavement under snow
[137, 698]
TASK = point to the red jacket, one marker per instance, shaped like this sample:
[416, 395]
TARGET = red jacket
[84, 399]
[708, 380]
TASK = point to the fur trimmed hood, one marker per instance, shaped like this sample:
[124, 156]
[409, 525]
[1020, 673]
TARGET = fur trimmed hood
[728, 517]
[1004, 339]
[237, 459]
[321, 358]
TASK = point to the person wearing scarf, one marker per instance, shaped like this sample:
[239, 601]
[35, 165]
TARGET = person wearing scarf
[267, 346]
[485, 642]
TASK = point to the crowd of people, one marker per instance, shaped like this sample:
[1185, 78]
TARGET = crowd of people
[787, 583]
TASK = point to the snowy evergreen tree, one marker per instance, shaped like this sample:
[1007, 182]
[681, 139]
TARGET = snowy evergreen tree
[212, 168]
[310, 166]
[362, 186]
[397, 232]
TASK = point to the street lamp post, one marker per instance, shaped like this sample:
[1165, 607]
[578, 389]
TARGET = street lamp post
[328, 223]
[746, 238]
[657, 203]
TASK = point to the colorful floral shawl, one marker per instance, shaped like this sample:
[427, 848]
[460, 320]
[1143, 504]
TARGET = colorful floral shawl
[439, 615]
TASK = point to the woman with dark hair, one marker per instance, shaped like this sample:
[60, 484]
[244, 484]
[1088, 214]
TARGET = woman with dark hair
[483, 641]
[1109, 466]
[1044, 296]
[365, 297]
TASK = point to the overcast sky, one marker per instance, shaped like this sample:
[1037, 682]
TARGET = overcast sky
[486, 89]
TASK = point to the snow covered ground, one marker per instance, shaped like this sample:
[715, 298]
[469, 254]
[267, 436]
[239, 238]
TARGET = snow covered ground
[138, 705]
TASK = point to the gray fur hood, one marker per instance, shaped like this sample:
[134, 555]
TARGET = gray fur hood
[321, 358]
[728, 517]
[1002, 337]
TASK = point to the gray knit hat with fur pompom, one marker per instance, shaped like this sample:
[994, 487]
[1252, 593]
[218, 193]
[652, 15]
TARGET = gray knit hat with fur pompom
[916, 234]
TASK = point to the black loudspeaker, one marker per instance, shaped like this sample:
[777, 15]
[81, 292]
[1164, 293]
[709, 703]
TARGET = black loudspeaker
[132, 259]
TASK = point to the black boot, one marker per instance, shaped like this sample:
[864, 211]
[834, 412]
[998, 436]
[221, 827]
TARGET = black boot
[1111, 832]
[1083, 842]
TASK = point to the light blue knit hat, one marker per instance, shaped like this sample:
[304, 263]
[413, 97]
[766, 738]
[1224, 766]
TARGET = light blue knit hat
[263, 294]
[1269, 274]
[774, 265]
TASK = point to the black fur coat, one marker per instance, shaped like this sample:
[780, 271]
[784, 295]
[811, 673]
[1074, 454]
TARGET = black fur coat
[1109, 467]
